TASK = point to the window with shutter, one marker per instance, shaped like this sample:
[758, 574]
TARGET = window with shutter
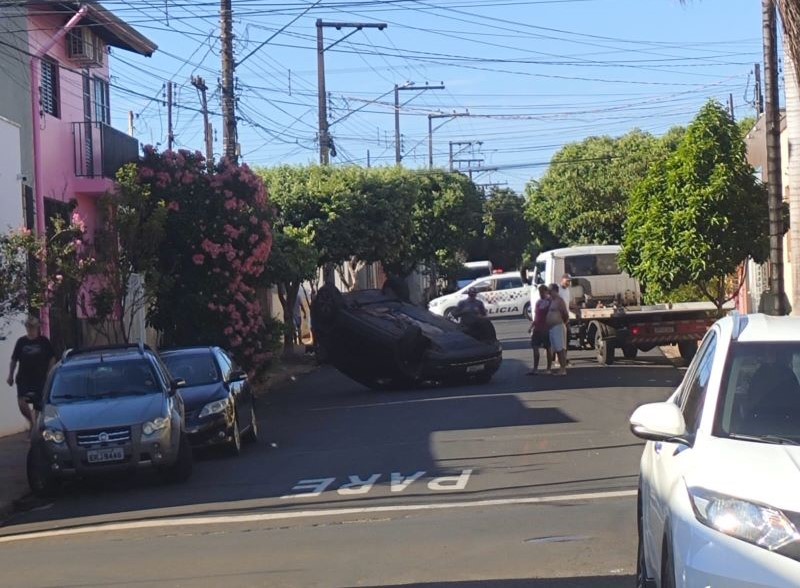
[51, 101]
[102, 110]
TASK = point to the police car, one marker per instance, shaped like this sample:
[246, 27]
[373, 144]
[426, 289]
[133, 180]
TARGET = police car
[502, 294]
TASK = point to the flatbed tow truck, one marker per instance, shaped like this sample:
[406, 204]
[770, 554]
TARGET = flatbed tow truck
[642, 328]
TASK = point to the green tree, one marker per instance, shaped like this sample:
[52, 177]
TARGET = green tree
[506, 232]
[446, 217]
[699, 214]
[583, 196]
[294, 260]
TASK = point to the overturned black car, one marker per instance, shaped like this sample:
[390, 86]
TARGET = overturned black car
[381, 341]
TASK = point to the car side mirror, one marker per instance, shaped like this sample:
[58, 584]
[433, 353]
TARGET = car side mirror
[660, 421]
[177, 384]
[237, 376]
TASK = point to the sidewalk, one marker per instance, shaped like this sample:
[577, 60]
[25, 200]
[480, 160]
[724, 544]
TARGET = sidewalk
[13, 483]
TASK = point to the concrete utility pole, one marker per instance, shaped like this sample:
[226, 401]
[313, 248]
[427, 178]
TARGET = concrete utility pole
[131, 123]
[730, 107]
[170, 131]
[229, 134]
[202, 89]
[772, 116]
[463, 145]
[398, 155]
[326, 148]
[431, 129]
[759, 91]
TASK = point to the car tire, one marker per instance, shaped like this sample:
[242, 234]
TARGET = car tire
[526, 311]
[667, 564]
[252, 433]
[235, 444]
[181, 470]
[449, 314]
[40, 479]
[642, 580]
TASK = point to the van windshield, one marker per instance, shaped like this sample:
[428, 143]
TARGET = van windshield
[467, 275]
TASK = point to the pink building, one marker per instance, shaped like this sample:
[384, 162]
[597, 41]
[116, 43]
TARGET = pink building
[76, 151]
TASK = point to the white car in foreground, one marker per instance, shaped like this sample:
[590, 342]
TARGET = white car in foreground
[504, 295]
[719, 495]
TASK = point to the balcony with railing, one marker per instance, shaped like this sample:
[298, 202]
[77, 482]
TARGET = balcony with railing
[101, 150]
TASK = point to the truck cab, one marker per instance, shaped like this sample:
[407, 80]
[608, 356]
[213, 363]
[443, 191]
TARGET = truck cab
[596, 276]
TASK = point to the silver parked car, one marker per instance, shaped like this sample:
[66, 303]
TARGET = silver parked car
[106, 410]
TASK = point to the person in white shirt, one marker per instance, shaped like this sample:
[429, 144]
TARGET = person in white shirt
[565, 293]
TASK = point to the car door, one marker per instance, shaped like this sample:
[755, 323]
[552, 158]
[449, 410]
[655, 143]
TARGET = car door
[669, 461]
[235, 388]
[486, 293]
[504, 297]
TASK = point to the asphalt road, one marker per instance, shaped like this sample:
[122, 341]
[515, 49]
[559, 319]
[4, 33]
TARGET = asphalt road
[527, 481]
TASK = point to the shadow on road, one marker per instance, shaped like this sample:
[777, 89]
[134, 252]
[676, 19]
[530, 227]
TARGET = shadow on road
[587, 582]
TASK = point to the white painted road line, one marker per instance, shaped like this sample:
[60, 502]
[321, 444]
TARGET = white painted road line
[307, 514]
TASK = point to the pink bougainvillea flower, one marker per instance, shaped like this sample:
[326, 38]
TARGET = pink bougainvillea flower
[198, 258]
[174, 206]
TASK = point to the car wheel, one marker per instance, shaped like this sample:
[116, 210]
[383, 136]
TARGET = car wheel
[235, 444]
[667, 565]
[40, 479]
[642, 581]
[449, 314]
[526, 312]
[181, 470]
[252, 432]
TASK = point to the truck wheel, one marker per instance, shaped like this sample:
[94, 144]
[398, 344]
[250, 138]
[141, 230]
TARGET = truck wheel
[688, 350]
[604, 348]
[630, 351]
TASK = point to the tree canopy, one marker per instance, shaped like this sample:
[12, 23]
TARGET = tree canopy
[506, 233]
[699, 214]
[583, 196]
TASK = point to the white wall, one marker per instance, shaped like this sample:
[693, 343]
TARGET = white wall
[11, 217]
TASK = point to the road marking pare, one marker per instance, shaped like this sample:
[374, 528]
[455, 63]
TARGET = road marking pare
[355, 485]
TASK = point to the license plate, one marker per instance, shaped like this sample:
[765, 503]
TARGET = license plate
[474, 369]
[664, 330]
[103, 455]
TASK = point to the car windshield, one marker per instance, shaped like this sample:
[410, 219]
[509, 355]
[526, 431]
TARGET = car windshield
[196, 369]
[760, 396]
[541, 267]
[103, 379]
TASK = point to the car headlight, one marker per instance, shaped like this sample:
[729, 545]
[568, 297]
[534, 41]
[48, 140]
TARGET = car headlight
[215, 407]
[53, 435]
[755, 523]
[157, 424]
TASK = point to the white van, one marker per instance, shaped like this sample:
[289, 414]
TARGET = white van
[596, 275]
[471, 271]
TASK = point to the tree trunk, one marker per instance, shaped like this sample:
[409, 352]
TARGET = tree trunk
[792, 165]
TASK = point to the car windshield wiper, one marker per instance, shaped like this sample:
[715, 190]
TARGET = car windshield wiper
[774, 439]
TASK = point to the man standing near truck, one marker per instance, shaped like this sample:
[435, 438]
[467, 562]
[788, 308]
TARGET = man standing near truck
[565, 294]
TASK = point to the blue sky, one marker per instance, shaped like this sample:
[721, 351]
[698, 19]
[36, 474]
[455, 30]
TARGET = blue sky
[535, 75]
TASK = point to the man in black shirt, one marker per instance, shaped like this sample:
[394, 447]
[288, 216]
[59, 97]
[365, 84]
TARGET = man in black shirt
[34, 355]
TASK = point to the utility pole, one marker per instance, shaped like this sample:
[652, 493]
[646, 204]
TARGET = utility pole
[398, 155]
[131, 125]
[730, 107]
[759, 91]
[170, 131]
[229, 135]
[202, 89]
[431, 129]
[774, 180]
[463, 145]
[325, 142]
[369, 161]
